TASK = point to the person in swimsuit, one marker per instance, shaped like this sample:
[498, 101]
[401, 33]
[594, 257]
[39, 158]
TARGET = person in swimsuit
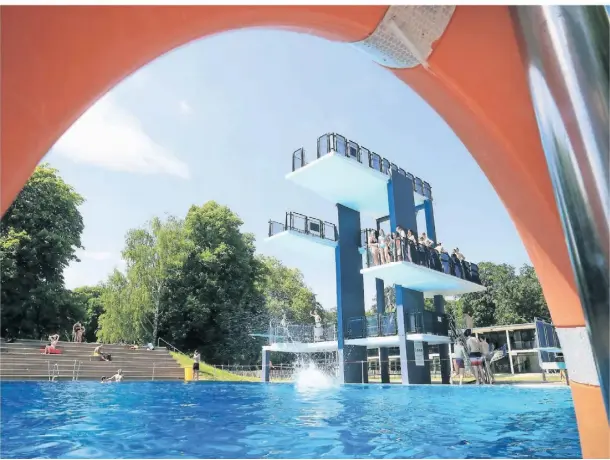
[383, 247]
[457, 358]
[196, 359]
[475, 356]
[53, 341]
[373, 246]
[118, 377]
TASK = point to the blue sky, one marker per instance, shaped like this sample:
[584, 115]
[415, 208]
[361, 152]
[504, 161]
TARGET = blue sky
[218, 120]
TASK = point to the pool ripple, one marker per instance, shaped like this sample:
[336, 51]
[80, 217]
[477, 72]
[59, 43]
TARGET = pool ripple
[230, 420]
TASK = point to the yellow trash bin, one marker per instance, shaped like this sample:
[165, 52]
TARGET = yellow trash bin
[188, 374]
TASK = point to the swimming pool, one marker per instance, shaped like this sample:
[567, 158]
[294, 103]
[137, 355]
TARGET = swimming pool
[233, 420]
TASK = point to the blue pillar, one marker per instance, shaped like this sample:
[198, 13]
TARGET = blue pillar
[439, 300]
[353, 367]
[384, 364]
[266, 366]
[401, 200]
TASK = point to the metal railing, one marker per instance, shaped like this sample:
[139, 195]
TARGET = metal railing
[394, 248]
[426, 322]
[302, 333]
[332, 142]
[306, 225]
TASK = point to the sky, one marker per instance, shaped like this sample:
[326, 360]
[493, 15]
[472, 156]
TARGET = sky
[219, 118]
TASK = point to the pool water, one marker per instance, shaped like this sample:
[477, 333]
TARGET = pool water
[239, 420]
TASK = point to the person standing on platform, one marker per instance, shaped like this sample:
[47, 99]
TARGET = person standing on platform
[373, 246]
[402, 240]
[486, 356]
[411, 247]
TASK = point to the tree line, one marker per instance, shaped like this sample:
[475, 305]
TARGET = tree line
[193, 281]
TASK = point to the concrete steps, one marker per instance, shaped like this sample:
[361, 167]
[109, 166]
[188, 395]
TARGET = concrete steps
[23, 360]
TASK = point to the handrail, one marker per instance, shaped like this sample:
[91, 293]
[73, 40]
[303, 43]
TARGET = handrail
[159, 340]
[325, 230]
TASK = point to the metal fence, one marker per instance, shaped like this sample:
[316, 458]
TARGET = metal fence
[306, 225]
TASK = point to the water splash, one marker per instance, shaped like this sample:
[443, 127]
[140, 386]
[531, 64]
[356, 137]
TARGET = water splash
[309, 377]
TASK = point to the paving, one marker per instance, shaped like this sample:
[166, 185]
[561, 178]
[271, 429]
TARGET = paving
[23, 360]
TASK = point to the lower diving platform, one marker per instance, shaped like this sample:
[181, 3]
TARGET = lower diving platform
[420, 278]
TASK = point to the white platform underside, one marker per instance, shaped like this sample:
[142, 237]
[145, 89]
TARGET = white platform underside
[369, 342]
[342, 180]
[300, 243]
[423, 279]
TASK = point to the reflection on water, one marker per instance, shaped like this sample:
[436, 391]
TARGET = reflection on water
[314, 418]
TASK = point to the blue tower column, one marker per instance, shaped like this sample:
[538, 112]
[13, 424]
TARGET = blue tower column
[266, 366]
[353, 366]
[439, 300]
[401, 201]
[384, 364]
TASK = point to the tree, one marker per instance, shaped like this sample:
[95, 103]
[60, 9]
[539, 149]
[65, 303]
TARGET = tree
[151, 253]
[39, 236]
[509, 298]
[213, 301]
[89, 300]
[285, 292]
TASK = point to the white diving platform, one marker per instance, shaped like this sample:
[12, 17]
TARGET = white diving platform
[423, 279]
[369, 342]
[293, 241]
[340, 179]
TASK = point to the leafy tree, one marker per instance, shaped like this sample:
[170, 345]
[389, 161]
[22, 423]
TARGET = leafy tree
[89, 300]
[40, 233]
[213, 301]
[510, 297]
[285, 292]
[151, 253]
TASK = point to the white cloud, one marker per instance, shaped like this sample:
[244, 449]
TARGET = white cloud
[110, 137]
[185, 108]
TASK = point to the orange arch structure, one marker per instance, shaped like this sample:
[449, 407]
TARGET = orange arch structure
[57, 61]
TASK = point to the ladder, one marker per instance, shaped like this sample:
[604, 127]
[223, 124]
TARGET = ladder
[53, 372]
[458, 336]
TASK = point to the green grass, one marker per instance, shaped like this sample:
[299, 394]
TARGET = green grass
[207, 372]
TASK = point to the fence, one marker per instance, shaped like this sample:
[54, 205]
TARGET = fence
[371, 367]
[302, 333]
[306, 225]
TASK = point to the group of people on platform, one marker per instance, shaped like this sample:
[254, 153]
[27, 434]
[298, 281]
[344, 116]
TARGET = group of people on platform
[479, 351]
[404, 245]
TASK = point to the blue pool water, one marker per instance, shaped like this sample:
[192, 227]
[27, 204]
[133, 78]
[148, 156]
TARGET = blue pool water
[229, 420]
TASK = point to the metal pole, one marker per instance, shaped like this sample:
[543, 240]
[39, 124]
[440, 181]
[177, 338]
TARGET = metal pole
[510, 353]
[565, 49]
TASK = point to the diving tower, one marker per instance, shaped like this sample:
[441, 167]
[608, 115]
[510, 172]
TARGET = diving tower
[359, 181]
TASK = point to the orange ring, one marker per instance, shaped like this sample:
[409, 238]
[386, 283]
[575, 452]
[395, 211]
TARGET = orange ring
[57, 60]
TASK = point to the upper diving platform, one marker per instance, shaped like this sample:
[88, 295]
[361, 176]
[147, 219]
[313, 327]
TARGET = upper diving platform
[415, 266]
[299, 231]
[350, 174]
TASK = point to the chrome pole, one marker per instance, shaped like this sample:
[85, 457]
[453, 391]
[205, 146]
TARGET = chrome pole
[565, 50]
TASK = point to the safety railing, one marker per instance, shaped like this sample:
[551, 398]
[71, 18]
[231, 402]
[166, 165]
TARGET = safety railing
[426, 322]
[377, 248]
[306, 225]
[302, 333]
[360, 327]
[332, 142]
